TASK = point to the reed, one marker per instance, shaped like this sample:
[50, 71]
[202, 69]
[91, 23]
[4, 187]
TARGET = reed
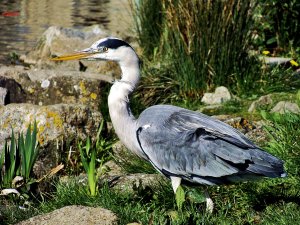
[205, 42]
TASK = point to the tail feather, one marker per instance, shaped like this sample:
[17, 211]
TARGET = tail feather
[266, 164]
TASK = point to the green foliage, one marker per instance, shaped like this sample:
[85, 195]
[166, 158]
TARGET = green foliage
[90, 153]
[180, 197]
[277, 25]
[88, 158]
[19, 157]
[9, 163]
[277, 79]
[148, 18]
[284, 131]
[195, 196]
[29, 150]
[132, 163]
[204, 43]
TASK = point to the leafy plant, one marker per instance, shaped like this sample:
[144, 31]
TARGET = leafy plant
[29, 150]
[277, 25]
[88, 158]
[19, 157]
[180, 197]
[90, 154]
[9, 163]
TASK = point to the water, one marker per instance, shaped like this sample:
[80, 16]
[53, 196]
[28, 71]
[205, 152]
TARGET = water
[22, 22]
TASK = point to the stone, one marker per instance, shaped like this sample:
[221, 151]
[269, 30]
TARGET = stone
[135, 182]
[56, 124]
[47, 87]
[275, 60]
[220, 95]
[75, 215]
[14, 91]
[285, 107]
[113, 169]
[3, 94]
[58, 41]
[262, 101]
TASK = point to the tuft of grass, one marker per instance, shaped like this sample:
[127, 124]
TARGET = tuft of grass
[29, 150]
[10, 163]
[131, 163]
[92, 154]
[284, 133]
[19, 157]
[205, 43]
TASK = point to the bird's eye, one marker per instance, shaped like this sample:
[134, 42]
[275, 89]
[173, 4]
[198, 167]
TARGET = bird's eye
[102, 49]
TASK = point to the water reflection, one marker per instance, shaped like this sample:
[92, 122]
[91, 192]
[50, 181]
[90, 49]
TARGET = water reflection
[23, 22]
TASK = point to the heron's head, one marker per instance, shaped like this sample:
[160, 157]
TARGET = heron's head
[109, 48]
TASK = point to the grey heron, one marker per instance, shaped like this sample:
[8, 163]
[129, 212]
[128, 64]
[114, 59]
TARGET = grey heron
[183, 145]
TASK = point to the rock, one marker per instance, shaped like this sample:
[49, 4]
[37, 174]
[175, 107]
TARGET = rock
[46, 87]
[75, 215]
[262, 101]
[220, 95]
[240, 123]
[259, 135]
[134, 182]
[3, 94]
[254, 130]
[58, 41]
[56, 123]
[113, 169]
[284, 107]
[15, 93]
[275, 60]
[119, 149]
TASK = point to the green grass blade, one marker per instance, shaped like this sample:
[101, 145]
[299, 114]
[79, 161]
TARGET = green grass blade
[23, 155]
[33, 147]
[28, 149]
[83, 158]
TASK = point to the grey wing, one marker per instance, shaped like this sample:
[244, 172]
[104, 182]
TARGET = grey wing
[200, 149]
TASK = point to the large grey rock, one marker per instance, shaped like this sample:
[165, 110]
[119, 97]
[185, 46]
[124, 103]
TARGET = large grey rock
[220, 95]
[46, 87]
[262, 101]
[285, 107]
[56, 124]
[58, 41]
[75, 215]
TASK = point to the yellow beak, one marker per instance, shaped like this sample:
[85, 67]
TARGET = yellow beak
[80, 55]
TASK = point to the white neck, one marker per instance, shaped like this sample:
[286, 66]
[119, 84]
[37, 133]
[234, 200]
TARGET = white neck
[118, 103]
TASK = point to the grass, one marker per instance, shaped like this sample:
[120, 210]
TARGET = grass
[193, 47]
[269, 201]
[18, 158]
[204, 43]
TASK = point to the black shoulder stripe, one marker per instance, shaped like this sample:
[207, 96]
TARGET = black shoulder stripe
[113, 43]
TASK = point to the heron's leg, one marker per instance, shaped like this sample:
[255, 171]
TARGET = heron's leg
[176, 181]
[209, 202]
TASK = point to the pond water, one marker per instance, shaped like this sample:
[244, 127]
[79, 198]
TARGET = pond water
[22, 22]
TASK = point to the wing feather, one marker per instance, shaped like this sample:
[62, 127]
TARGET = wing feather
[196, 147]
